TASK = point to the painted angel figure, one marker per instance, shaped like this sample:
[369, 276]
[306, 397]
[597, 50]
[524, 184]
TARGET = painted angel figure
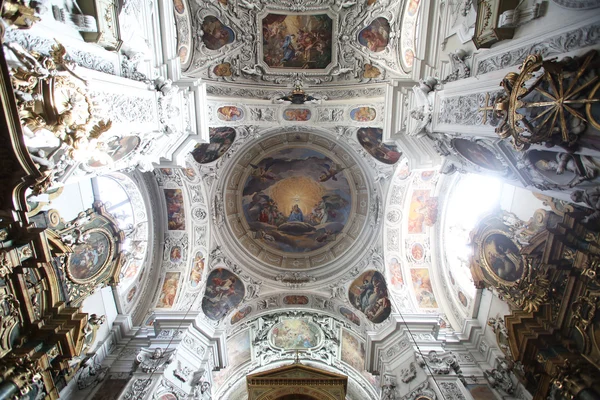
[331, 172]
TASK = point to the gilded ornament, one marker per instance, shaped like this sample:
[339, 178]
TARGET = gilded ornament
[541, 104]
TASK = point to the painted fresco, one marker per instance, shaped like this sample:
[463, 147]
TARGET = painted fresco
[423, 288]
[292, 334]
[297, 41]
[296, 200]
[215, 34]
[183, 53]
[363, 114]
[477, 154]
[368, 293]
[221, 140]
[189, 172]
[175, 255]
[131, 294]
[413, 7]
[502, 257]
[131, 271]
[409, 58]
[462, 298]
[223, 69]
[179, 6]
[224, 291]
[370, 139]
[167, 171]
[230, 113]
[294, 299]
[117, 148]
[88, 258]
[353, 351]
[376, 36]
[349, 315]
[297, 114]
[371, 71]
[197, 269]
[423, 211]
[240, 314]
[481, 392]
[395, 269]
[238, 348]
[167, 396]
[417, 251]
[168, 292]
[175, 209]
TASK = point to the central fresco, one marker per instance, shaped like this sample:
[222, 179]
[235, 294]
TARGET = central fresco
[297, 41]
[296, 200]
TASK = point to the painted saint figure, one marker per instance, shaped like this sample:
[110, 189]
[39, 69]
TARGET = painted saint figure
[296, 214]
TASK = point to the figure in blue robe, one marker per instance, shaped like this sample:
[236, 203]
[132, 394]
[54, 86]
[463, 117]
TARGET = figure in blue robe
[296, 214]
[288, 49]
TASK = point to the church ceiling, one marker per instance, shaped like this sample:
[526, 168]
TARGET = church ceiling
[313, 42]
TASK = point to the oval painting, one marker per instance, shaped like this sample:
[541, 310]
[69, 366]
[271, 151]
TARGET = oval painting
[368, 293]
[224, 291]
[294, 299]
[363, 114]
[417, 251]
[296, 200]
[183, 54]
[477, 154]
[371, 141]
[241, 314]
[409, 58]
[413, 7]
[197, 270]
[89, 258]
[221, 140]
[179, 6]
[131, 294]
[115, 150]
[462, 298]
[297, 114]
[502, 258]
[175, 255]
[230, 113]
[214, 34]
[189, 171]
[349, 315]
[294, 334]
[376, 36]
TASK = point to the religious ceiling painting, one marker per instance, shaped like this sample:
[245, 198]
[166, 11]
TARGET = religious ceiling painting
[463, 299]
[293, 334]
[353, 350]
[197, 269]
[368, 293]
[215, 34]
[301, 41]
[350, 316]
[224, 291]
[296, 200]
[417, 252]
[295, 300]
[423, 288]
[478, 154]
[240, 314]
[376, 36]
[221, 140]
[230, 113]
[168, 291]
[238, 352]
[423, 211]
[408, 34]
[297, 114]
[371, 140]
[189, 172]
[395, 269]
[175, 209]
[131, 294]
[114, 150]
[363, 114]
[176, 255]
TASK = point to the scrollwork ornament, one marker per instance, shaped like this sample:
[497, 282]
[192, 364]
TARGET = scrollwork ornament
[529, 292]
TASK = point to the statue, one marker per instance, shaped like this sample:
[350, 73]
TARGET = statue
[423, 109]
[585, 168]
[591, 198]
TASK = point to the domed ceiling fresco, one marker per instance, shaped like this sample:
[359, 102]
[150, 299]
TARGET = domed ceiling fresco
[296, 201]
